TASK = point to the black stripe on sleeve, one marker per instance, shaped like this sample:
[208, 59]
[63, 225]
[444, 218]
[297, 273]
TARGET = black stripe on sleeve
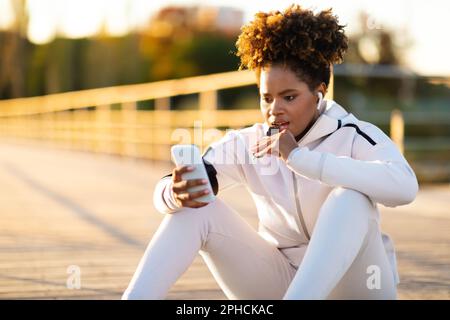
[363, 134]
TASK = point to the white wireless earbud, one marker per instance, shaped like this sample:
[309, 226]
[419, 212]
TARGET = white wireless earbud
[319, 104]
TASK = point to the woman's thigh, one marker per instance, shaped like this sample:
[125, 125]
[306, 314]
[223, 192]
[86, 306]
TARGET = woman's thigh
[244, 264]
[370, 276]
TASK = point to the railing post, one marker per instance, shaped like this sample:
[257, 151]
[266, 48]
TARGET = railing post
[162, 103]
[52, 125]
[71, 126]
[103, 120]
[398, 129]
[129, 124]
[80, 130]
[208, 100]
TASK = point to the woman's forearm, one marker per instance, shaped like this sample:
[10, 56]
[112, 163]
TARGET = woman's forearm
[390, 183]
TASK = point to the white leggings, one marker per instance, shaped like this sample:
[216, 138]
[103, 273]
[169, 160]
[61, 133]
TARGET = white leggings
[343, 256]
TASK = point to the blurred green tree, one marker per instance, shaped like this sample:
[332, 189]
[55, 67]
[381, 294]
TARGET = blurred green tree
[13, 53]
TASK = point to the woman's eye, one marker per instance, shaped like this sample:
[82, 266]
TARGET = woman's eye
[266, 100]
[289, 98]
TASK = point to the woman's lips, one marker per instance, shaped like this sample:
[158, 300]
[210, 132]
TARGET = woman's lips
[277, 128]
[282, 126]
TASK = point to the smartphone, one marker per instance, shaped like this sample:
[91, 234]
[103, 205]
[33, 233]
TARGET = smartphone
[189, 155]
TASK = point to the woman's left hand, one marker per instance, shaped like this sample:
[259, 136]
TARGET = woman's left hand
[280, 144]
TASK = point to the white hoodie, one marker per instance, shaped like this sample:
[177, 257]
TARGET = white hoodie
[338, 151]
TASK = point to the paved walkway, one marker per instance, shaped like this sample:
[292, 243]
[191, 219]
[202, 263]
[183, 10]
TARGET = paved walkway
[94, 212]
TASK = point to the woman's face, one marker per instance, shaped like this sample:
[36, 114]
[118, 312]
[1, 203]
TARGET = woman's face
[285, 100]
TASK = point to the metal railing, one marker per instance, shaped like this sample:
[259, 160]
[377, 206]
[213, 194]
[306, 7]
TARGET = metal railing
[85, 120]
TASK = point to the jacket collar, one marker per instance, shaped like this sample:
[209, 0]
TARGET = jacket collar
[326, 124]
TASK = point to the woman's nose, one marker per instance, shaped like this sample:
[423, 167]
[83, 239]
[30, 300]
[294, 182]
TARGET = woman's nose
[276, 107]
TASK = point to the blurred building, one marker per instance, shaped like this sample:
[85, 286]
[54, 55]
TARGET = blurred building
[177, 20]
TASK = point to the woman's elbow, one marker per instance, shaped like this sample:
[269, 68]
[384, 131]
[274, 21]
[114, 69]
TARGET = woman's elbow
[409, 191]
[404, 193]
[404, 186]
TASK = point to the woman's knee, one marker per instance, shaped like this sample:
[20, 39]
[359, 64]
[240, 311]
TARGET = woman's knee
[348, 201]
[350, 197]
[340, 192]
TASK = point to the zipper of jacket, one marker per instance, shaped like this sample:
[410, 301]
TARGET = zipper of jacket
[296, 194]
[299, 209]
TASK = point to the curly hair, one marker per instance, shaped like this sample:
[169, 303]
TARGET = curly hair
[306, 42]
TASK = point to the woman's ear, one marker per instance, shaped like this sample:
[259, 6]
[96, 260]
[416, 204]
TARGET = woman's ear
[321, 91]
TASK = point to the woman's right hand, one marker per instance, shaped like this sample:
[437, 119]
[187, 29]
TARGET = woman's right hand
[180, 186]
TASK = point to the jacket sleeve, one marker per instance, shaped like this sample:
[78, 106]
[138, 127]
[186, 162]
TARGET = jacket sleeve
[222, 165]
[379, 171]
[163, 198]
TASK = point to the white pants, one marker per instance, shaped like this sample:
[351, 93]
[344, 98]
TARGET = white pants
[345, 258]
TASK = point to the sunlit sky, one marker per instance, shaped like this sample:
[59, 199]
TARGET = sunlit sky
[425, 22]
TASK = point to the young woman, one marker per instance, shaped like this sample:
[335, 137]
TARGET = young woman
[316, 183]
